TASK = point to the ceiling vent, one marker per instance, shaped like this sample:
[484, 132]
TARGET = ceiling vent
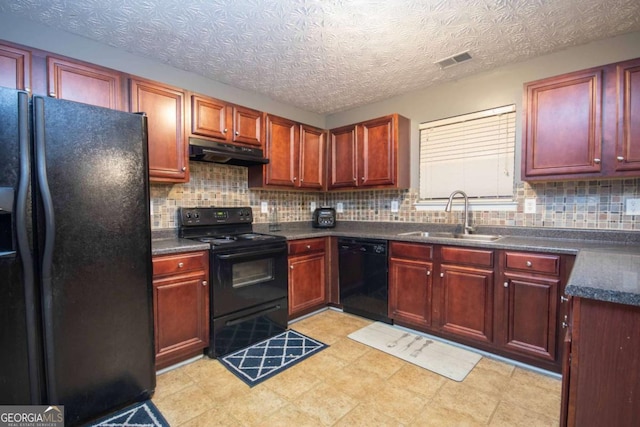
[453, 60]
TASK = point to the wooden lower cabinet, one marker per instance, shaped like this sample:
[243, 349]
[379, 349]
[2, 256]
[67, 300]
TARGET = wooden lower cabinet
[410, 283]
[307, 276]
[180, 306]
[602, 375]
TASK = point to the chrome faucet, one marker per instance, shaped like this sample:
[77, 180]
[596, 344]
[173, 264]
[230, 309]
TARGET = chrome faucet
[466, 228]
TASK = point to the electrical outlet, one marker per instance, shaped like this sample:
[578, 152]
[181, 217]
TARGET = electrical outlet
[312, 206]
[339, 207]
[530, 205]
[264, 207]
[632, 207]
[394, 206]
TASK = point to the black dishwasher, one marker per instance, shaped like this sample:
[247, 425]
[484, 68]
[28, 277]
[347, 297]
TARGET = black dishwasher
[363, 277]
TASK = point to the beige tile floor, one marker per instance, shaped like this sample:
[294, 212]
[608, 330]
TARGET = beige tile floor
[350, 384]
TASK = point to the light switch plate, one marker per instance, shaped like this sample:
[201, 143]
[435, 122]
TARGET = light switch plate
[632, 207]
[312, 206]
[394, 206]
[264, 207]
[530, 205]
[339, 207]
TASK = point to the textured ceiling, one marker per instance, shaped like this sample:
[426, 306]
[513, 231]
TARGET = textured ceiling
[331, 55]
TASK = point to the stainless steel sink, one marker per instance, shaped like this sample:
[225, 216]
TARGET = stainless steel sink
[447, 235]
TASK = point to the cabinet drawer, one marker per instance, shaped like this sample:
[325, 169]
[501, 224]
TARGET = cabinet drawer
[417, 251]
[479, 257]
[179, 263]
[306, 246]
[535, 263]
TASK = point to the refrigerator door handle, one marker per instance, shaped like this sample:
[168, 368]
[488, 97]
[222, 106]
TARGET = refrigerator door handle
[22, 246]
[47, 255]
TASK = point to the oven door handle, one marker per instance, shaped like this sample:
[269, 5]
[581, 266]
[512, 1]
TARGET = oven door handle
[251, 254]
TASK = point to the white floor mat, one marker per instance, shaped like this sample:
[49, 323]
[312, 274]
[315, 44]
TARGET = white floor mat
[443, 359]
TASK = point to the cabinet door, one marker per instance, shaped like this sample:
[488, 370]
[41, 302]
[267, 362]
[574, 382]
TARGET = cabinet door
[247, 126]
[467, 302]
[307, 283]
[312, 155]
[280, 148]
[628, 141]
[376, 156]
[209, 118]
[83, 83]
[15, 68]
[165, 120]
[181, 313]
[563, 126]
[343, 152]
[530, 314]
[410, 291]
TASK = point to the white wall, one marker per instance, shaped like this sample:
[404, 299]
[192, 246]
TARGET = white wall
[38, 36]
[502, 86]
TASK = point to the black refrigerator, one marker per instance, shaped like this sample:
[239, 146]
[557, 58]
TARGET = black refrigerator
[76, 318]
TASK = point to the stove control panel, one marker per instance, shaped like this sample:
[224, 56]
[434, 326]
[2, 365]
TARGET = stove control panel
[214, 216]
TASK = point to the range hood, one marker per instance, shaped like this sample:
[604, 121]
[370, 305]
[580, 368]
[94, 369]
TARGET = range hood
[202, 150]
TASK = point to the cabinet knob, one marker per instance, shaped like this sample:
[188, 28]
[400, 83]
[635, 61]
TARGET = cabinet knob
[563, 299]
[180, 264]
[294, 178]
[596, 161]
[225, 130]
[308, 246]
[237, 133]
[184, 168]
[52, 94]
[564, 325]
[204, 283]
[26, 89]
[362, 179]
[291, 267]
[505, 284]
[529, 263]
[620, 158]
[441, 274]
[428, 273]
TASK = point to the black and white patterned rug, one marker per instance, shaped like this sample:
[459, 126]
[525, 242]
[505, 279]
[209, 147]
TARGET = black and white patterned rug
[141, 414]
[267, 358]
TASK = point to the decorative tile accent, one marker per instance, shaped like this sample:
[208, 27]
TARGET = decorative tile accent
[568, 204]
[329, 56]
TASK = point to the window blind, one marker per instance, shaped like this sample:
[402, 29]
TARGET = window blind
[473, 153]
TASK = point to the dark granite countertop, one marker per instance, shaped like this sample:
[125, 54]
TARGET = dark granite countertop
[598, 272]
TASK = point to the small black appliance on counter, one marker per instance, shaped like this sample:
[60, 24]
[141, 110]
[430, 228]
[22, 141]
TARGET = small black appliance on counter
[324, 218]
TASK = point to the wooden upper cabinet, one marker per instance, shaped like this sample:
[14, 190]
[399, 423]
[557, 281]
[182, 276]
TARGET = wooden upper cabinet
[343, 157]
[312, 158]
[371, 154]
[210, 118]
[164, 106]
[15, 67]
[89, 84]
[247, 126]
[563, 125]
[628, 120]
[280, 148]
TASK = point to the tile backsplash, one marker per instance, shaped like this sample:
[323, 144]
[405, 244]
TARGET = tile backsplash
[569, 204]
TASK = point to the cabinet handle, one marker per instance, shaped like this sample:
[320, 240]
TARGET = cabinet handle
[184, 168]
[529, 263]
[180, 264]
[564, 325]
[441, 274]
[428, 273]
[620, 158]
[52, 94]
[204, 283]
[26, 89]
[596, 161]
[225, 130]
[505, 284]
[563, 299]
